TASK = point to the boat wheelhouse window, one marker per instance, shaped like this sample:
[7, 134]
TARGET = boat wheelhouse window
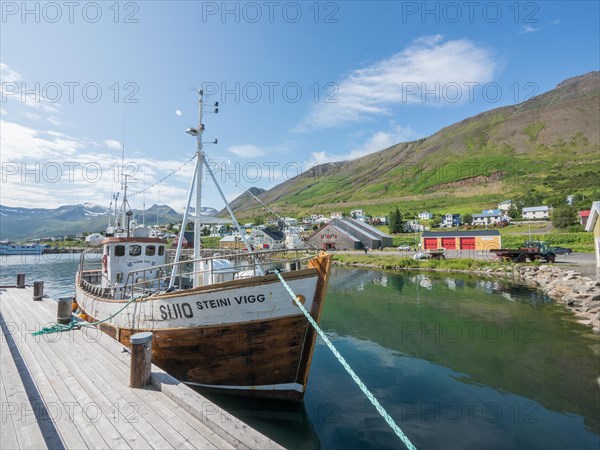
[135, 250]
[150, 250]
[119, 250]
[161, 250]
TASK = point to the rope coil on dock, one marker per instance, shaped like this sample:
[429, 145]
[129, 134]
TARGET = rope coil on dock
[76, 325]
[390, 421]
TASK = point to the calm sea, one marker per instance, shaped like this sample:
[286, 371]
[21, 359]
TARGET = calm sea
[459, 362]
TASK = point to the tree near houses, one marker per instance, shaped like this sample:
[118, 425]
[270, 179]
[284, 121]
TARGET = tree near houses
[395, 221]
[564, 216]
[467, 219]
[514, 212]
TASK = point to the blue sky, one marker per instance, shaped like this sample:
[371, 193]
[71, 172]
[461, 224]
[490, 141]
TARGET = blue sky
[299, 83]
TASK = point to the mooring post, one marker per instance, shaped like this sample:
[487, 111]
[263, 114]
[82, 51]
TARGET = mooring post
[38, 290]
[21, 280]
[64, 310]
[141, 359]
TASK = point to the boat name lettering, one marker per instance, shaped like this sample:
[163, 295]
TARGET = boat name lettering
[220, 302]
[249, 298]
[217, 303]
[176, 311]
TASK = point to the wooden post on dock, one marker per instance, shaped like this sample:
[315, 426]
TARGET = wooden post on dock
[141, 359]
[38, 290]
[21, 280]
[64, 310]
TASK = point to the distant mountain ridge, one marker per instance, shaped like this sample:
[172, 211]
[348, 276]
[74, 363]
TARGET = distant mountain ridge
[30, 223]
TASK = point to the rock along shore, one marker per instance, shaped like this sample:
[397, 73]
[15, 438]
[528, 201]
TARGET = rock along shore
[578, 293]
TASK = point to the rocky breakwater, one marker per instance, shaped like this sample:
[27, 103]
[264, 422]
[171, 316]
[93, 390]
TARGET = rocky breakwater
[578, 293]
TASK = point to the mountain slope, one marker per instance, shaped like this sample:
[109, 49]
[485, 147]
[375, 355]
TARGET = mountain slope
[550, 142]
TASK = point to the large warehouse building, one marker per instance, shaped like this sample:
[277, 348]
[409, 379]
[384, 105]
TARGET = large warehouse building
[349, 234]
[462, 240]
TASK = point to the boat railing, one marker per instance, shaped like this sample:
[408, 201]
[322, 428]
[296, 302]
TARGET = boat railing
[244, 265]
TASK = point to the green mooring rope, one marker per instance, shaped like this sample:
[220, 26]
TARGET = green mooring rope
[351, 372]
[76, 325]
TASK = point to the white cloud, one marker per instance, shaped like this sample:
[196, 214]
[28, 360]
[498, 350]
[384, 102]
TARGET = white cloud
[12, 88]
[20, 142]
[54, 121]
[49, 169]
[530, 29]
[246, 151]
[3, 112]
[426, 64]
[376, 142]
[178, 112]
[8, 75]
[112, 144]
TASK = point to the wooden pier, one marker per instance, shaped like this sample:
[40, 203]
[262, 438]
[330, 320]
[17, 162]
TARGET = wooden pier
[71, 390]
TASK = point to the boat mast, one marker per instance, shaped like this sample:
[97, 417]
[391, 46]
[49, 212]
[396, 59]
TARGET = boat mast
[198, 208]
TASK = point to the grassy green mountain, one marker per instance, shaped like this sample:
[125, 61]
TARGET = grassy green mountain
[548, 145]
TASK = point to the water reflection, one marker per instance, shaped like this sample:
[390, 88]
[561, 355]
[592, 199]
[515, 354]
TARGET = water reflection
[359, 280]
[487, 332]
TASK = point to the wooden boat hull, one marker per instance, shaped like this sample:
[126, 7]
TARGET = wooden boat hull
[267, 356]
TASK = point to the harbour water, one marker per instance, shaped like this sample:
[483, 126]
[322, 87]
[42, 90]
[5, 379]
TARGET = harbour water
[460, 362]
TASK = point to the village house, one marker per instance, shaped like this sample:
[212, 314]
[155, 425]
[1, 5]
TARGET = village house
[364, 219]
[349, 234]
[425, 215]
[583, 217]
[593, 224]
[537, 212]
[488, 217]
[413, 226]
[505, 205]
[451, 220]
[268, 239]
[188, 240]
[482, 240]
[337, 215]
[381, 220]
[356, 212]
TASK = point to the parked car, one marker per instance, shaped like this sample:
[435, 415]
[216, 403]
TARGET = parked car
[404, 247]
[561, 250]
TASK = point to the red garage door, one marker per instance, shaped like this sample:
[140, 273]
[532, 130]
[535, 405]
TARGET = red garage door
[431, 243]
[449, 243]
[467, 243]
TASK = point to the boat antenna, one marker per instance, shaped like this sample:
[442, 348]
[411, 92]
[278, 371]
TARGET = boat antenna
[144, 197]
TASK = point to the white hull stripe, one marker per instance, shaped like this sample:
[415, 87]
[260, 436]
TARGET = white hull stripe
[265, 387]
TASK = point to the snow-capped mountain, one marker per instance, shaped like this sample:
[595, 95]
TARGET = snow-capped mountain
[31, 223]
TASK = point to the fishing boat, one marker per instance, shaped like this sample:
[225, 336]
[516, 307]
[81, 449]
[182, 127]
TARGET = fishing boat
[221, 322]
[11, 248]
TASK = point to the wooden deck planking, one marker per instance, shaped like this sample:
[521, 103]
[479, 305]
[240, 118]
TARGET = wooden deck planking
[93, 369]
[66, 406]
[15, 430]
[117, 411]
[117, 372]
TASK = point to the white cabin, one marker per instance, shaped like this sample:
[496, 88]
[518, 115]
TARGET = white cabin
[127, 260]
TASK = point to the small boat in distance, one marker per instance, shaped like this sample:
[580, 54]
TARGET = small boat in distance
[223, 322]
[11, 248]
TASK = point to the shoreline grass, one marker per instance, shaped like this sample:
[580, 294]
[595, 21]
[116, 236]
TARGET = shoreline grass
[394, 262]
